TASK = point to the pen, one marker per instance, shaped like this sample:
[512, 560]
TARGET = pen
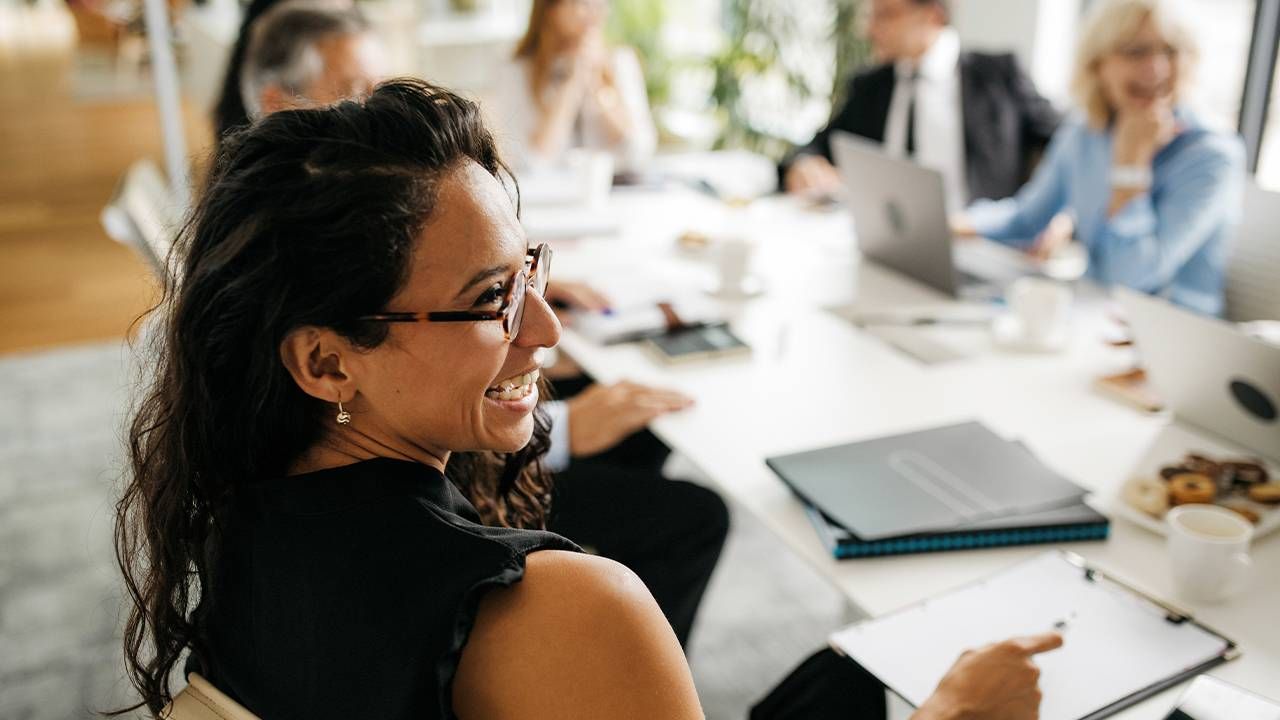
[873, 320]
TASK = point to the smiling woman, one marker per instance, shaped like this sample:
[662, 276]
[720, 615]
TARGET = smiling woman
[1153, 192]
[316, 225]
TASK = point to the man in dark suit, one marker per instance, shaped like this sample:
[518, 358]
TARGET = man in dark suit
[975, 117]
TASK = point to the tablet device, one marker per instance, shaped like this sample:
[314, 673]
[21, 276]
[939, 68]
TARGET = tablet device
[1209, 698]
[697, 342]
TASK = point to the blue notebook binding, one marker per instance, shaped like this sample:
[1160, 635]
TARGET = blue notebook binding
[1071, 524]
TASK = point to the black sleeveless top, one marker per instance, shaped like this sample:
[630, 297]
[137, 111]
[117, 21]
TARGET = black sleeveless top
[350, 592]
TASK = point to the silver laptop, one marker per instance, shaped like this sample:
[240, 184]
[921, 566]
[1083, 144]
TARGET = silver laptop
[1209, 373]
[900, 212]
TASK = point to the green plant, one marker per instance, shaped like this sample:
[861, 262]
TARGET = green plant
[853, 51]
[638, 24]
[757, 31]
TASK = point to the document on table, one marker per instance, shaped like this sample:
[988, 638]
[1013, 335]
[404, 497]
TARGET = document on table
[1119, 646]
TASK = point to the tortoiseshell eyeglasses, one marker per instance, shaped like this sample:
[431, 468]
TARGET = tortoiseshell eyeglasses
[511, 312]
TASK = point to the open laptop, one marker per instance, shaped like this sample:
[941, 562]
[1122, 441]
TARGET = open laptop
[900, 211]
[1212, 375]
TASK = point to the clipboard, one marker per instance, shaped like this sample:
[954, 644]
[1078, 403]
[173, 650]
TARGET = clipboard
[1121, 645]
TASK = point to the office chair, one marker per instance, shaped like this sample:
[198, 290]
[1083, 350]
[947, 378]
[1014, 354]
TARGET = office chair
[143, 215]
[201, 701]
[1253, 270]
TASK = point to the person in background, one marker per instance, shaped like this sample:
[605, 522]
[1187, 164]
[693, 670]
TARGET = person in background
[1154, 193]
[610, 494]
[565, 88]
[334, 507]
[229, 112]
[974, 117]
[308, 53]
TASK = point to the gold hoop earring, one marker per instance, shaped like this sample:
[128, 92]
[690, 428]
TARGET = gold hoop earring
[344, 417]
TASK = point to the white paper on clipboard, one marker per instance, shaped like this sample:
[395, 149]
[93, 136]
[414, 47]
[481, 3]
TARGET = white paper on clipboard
[1118, 643]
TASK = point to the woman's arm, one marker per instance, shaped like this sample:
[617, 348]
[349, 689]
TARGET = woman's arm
[579, 637]
[623, 104]
[1151, 236]
[1019, 219]
[553, 128]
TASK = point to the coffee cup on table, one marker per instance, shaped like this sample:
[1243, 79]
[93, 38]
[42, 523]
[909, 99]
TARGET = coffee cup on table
[733, 265]
[594, 173]
[1208, 552]
[1041, 310]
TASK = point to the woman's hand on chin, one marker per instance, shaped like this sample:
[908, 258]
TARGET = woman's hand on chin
[1141, 130]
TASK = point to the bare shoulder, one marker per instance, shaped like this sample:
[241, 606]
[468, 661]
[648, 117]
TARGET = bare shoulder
[579, 637]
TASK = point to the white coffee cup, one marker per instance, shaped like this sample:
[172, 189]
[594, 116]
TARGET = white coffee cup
[594, 173]
[733, 261]
[1208, 552]
[1042, 308]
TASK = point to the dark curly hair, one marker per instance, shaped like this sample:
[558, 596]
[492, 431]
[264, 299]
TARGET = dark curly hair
[310, 218]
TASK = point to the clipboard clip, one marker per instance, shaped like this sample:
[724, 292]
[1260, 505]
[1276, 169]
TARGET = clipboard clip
[1172, 615]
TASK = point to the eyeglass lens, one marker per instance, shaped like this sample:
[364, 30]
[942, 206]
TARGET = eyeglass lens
[519, 294]
[515, 315]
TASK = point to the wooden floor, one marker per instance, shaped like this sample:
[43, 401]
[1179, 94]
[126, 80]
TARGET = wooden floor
[62, 280]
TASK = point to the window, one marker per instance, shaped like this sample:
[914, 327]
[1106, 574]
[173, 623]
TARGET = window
[1269, 152]
[1224, 31]
[1269, 155]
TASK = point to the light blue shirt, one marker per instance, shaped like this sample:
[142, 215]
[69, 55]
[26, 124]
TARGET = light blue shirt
[1171, 241]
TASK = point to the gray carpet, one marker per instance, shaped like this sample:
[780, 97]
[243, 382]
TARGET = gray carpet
[59, 596]
[60, 460]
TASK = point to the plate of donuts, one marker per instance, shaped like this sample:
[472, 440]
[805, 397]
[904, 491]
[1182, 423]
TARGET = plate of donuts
[1242, 482]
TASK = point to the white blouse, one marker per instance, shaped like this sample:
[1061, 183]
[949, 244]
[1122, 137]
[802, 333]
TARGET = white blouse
[513, 115]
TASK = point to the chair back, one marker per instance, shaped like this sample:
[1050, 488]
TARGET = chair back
[201, 701]
[143, 215]
[1253, 271]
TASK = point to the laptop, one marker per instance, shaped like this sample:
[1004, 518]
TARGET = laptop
[900, 211]
[1210, 374]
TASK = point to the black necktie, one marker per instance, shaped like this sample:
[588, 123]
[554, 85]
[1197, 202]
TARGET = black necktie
[911, 114]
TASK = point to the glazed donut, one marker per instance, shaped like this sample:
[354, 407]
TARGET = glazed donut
[1268, 492]
[1189, 488]
[1245, 472]
[1148, 495]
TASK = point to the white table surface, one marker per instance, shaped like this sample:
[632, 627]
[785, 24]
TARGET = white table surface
[814, 379]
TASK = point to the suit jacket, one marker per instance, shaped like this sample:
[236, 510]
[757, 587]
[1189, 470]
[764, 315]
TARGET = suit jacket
[1006, 122]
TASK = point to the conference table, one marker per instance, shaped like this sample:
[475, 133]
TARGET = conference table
[815, 379]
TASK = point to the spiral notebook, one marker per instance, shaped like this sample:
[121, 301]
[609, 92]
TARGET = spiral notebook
[1120, 646]
[1075, 523]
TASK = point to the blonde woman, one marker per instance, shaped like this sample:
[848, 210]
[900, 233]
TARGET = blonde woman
[565, 89]
[1154, 193]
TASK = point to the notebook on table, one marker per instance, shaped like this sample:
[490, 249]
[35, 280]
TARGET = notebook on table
[1075, 523]
[931, 481]
[1120, 646]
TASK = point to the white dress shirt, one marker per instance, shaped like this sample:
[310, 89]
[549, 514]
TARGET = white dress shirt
[558, 455]
[512, 112]
[939, 117]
